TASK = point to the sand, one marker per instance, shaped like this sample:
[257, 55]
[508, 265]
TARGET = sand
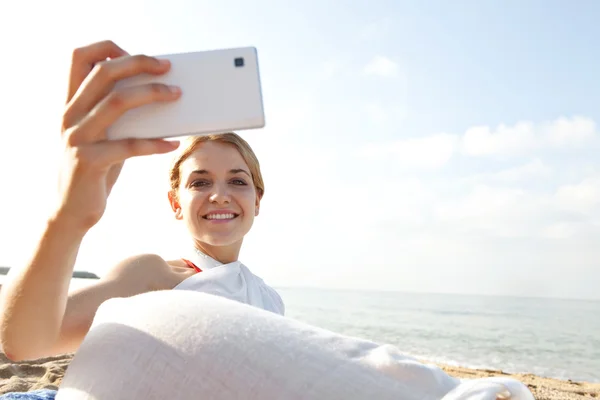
[542, 388]
[47, 373]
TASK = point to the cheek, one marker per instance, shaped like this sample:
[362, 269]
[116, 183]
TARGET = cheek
[248, 200]
[192, 201]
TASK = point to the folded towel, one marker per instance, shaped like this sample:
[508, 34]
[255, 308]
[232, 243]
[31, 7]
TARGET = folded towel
[234, 281]
[191, 345]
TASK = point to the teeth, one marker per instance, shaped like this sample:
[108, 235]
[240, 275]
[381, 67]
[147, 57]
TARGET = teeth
[220, 216]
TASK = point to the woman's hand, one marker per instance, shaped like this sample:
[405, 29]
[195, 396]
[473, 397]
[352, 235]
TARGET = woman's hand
[34, 298]
[91, 162]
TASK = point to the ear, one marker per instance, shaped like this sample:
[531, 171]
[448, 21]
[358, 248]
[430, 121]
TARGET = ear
[257, 205]
[175, 206]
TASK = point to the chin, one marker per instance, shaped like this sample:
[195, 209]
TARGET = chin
[220, 240]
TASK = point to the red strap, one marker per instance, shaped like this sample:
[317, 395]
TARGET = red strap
[191, 265]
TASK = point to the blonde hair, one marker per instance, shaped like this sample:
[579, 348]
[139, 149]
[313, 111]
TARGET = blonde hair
[189, 145]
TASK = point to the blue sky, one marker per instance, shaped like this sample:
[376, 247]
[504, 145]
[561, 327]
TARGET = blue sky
[421, 146]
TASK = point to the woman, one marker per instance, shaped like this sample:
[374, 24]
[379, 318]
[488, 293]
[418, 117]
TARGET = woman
[143, 341]
[216, 188]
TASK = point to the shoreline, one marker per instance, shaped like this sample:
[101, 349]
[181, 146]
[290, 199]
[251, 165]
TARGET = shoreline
[498, 371]
[47, 373]
[543, 388]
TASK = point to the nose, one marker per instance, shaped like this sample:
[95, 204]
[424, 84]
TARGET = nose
[220, 194]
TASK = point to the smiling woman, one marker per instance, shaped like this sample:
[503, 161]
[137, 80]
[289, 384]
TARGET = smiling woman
[216, 188]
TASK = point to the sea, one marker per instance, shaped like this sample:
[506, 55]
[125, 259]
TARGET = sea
[548, 337]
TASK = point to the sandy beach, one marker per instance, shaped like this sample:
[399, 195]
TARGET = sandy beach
[48, 373]
[542, 388]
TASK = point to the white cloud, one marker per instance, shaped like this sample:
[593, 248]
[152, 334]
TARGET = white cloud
[483, 201]
[561, 230]
[534, 169]
[382, 66]
[526, 136]
[486, 204]
[583, 197]
[436, 150]
[427, 152]
[565, 132]
[482, 141]
[569, 211]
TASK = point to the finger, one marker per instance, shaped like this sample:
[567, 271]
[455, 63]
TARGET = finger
[84, 59]
[103, 78]
[109, 153]
[93, 126]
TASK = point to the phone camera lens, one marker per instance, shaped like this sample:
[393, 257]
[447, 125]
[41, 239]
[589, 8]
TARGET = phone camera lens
[239, 62]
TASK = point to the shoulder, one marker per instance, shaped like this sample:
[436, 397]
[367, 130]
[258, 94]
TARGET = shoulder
[139, 263]
[140, 269]
[275, 299]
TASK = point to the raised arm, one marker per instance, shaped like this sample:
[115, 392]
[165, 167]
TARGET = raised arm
[33, 301]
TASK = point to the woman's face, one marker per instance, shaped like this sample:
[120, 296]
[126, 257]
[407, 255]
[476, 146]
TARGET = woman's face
[217, 199]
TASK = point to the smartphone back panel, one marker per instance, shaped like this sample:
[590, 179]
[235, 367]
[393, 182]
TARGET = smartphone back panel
[221, 91]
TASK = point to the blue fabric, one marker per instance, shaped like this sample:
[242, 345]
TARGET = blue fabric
[43, 394]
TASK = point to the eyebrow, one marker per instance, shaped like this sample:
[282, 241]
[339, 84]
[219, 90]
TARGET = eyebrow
[232, 171]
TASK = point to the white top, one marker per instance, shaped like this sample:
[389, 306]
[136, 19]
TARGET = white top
[233, 281]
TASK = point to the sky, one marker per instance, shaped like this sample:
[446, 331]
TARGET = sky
[448, 147]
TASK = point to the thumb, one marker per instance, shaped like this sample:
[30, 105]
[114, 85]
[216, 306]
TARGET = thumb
[113, 152]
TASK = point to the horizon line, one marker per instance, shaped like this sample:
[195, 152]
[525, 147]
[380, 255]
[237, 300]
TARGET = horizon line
[404, 291]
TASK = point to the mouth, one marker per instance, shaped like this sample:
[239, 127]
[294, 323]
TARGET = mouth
[220, 216]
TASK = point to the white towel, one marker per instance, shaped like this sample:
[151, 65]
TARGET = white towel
[233, 281]
[190, 345]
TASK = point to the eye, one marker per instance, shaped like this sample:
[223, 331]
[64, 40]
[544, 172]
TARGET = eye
[199, 183]
[238, 181]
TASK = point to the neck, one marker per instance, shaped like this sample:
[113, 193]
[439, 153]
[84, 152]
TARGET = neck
[223, 254]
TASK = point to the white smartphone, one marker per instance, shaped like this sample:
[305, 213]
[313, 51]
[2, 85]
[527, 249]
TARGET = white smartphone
[221, 92]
